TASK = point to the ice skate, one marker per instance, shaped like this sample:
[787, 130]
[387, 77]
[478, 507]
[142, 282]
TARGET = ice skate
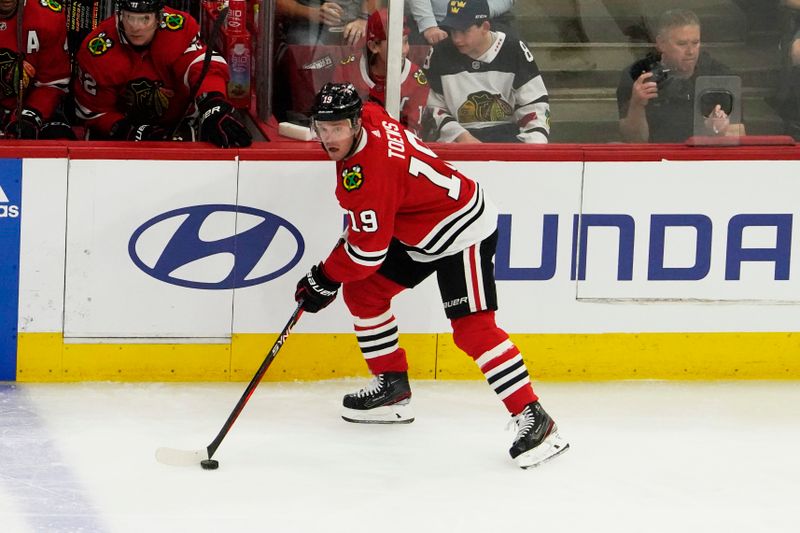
[385, 400]
[537, 437]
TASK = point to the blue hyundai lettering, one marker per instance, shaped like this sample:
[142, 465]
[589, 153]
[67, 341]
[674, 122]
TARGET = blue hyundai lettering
[736, 253]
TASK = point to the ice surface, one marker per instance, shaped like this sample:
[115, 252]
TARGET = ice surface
[645, 456]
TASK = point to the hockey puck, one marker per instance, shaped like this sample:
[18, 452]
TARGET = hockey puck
[209, 464]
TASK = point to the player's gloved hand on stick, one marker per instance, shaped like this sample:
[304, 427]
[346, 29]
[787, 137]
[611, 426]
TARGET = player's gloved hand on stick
[27, 126]
[218, 123]
[124, 130]
[315, 290]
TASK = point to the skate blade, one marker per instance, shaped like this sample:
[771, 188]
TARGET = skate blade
[390, 414]
[552, 447]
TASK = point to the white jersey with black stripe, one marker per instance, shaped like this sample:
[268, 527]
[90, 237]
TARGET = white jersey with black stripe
[502, 86]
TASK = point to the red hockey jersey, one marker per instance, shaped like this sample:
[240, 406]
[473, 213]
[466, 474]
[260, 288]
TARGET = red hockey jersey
[394, 186]
[413, 87]
[45, 53]
[148, 86]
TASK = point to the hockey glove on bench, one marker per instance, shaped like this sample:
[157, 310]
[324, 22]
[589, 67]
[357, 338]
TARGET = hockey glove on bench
[124, 130]
[218, 124]
[27, 127]
[315, 290]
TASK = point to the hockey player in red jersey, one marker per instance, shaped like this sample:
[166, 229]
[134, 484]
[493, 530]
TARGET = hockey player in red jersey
[44, 68]
[368, 72]
[137, 71]
[411, 215]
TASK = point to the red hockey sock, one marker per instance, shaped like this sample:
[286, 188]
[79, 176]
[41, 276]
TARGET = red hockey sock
[497, 357]
[378, 340]
[369, 301]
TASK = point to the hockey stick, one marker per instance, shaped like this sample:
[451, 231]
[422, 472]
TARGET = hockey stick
[20, 64]
[171, 456]
[212, 36]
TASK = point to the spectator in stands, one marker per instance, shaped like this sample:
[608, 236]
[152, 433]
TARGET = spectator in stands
[314, 35]
[793, 7]
[428, 14]
[367, 72]
[485, 85]
[315, 22]
[656, 96]
[33, 81]
[787, 97]
[138, 71]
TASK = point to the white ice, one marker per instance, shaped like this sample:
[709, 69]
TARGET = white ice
[644, 457]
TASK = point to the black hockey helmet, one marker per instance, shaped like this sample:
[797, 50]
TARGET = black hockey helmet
[140, 6]
[336, 101]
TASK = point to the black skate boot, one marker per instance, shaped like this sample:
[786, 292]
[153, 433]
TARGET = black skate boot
[385, 400]
[537, 437]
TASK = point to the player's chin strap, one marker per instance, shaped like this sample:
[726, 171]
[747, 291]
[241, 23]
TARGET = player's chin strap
[356, 142]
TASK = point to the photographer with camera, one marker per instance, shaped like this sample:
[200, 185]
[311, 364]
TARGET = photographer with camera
[655, 95]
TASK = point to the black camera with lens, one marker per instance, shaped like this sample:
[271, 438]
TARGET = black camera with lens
[659, 72]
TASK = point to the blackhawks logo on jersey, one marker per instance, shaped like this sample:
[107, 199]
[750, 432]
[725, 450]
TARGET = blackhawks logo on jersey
[484, 106]
[9, 73]
[146, 100]
[52, 4]
[100, 44]
[421, 78]
[352, 178]
[173, 21]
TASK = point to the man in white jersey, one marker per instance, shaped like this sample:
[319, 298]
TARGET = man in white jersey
[485, 85]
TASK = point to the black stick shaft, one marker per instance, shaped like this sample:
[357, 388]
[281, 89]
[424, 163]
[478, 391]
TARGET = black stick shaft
[20, 65]
[212, 37]
[251, 387]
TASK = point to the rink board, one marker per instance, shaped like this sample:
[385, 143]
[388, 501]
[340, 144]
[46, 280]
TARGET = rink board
[181, 265]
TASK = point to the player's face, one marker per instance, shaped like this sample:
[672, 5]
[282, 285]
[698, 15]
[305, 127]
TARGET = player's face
[473, 41]
[7, 8]
[680, 48]
[337, 136]
[140, 28]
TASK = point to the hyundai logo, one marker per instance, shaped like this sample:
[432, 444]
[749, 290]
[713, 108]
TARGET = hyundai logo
[191, 247]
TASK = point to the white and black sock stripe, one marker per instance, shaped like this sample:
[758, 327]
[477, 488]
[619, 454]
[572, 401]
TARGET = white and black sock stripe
[508, 376]
[377, 336]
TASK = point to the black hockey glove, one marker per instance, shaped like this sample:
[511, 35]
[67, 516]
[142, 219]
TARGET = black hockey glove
[315, 290]
[57, 130]
[218, 124]
[29, 124]
[123, 130]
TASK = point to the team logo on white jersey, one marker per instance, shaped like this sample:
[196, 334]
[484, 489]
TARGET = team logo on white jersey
[483, 106]
[7, 210]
